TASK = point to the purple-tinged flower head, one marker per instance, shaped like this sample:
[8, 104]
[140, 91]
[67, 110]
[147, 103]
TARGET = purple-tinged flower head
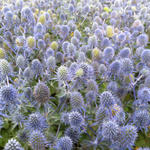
[77, 34]
[81, 57]
[41, 93]
[144, 94]
[75, 41]
[71, 50]
[99, 33]
[76, 100]
[8, 16]
[145, 56]
[20, 61]
[121, 37]
[105, 42]
[102, 69]
[64, 31]
[39, 28]
[59, 57]
[13, 144]
[5, 9]
[115, 67]
[64, 46]
[110, 131]
[51, 63]
[71, 25]
[139, 51]
[106, 99]
[73, 68]
[94, 26]
[73, 133]
[49, 52]
[18, 118]
[65, 118]
[128, 136]
[126, 66]
[141, 119]
[62, 73]
[71, 8]
[86, 9]
[37, 140]
[125, 52]
[92, 42]
[5, 68]
[23, 136]
[90, 96]
[20, 41]
[36, 122]
[8, 36]
[112, 86]
[75, 119]
[41, 44]
[142, 40]
[64, 143]
[27, 74]
[9, 94]
[36, 67]
[101, 114]
[92, 86]
[108, 53]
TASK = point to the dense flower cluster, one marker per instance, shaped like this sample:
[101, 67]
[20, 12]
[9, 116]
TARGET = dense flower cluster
[74, 74]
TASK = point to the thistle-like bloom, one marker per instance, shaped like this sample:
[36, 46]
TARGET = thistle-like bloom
[115, 67]
[108, 53]
[141, 119]
[76, 100]
[128, 136]
[23, 136]
[73, 133]
[106, 99]
[125, 52]
[9, 94]
[41, 93]
[65, 118]
[126, 66]
[75, 119]
[36, 67]
[142, 40]
[37, 140]
[145, 56]
[54, 45]
[144, 94]
[110, 131]
[36, 122]
[13, 144]
[64, 143]
[20, 62]
[92, 86]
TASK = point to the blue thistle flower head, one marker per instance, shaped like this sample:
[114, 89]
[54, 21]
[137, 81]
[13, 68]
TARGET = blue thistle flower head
[13, 144]
[9, 94]
[141, 119]
[64, 143]
[142, 40]
[36, 122]
[128, 136]
[73, 133]
[110, 131]
[125, 52]
[75, 119]
[65, 118]
[144, 94]
[36, 67]
[107, 99]
[108, 53]
[115, 67]
[145, 56]
[126, 66]
[76, 100]
[37, 140]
